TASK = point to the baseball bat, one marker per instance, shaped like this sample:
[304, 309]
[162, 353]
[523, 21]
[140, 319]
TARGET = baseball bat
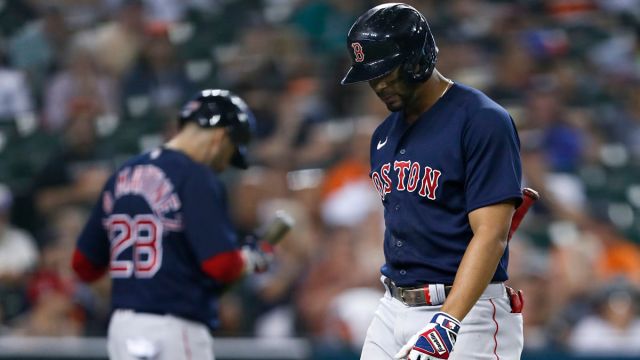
[278, 228]
[530, 196]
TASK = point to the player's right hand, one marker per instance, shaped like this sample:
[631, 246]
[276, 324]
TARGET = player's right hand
[433, 342]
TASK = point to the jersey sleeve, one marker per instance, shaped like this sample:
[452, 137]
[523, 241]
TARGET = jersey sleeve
[91, 256]
[492, 159]
[208, 228]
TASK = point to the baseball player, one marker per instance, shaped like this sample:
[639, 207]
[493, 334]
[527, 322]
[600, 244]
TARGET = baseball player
[162, 229]
[446, 164]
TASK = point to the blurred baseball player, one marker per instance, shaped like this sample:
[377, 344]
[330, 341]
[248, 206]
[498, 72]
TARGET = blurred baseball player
[446, 164]
[162, 229]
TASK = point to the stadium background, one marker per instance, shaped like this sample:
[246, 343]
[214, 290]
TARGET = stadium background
[86, 83]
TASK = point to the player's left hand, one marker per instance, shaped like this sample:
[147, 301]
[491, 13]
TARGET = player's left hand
[435, 341]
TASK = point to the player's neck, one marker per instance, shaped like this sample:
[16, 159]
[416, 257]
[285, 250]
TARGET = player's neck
[426, 95]
[191, 144]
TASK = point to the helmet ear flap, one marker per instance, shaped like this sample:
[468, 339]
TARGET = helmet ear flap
[420, 64]
[414, 69]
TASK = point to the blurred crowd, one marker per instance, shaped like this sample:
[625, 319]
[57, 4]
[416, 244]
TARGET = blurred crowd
[86, 83]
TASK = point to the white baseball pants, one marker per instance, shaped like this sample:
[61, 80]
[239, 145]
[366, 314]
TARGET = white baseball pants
[489, 332]
[141, 336]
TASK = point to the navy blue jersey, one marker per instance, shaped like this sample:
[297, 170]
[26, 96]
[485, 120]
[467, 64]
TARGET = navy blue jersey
[160, 217]
[460, 155]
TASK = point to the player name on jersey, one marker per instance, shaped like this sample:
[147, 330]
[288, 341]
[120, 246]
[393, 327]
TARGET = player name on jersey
[411, 176]
[148, 181]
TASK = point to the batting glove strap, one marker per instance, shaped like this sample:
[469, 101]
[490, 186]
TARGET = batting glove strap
[435, 341]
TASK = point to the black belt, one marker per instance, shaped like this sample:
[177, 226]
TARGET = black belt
[425, 295]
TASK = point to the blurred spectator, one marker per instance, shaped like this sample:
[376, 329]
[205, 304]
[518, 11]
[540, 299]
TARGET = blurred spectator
[302, 126]
[18, 252]
[618, 257]
[614, 328]
[53, 312]
[530, 272]
[232, 315]
[330, 273]
[80, 84]
[89, 305]
[325, 23]
[51, 289]
[512, 69]
[349, 317]
[14, 14]
[347, 195]
[625, 122]
[169, 10]
[618, 55]
[562, 204]
[18, 257]
[77, 13]
[632, 139]
[118, 43]
[158, 81]
[276, 289]
[572, 257]
[262, 57]
[15, 93]
[3, 328]
[561, 141]
[40, 46]
[75, 173]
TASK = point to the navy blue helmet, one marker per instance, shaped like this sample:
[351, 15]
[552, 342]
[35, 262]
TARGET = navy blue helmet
[221, 108]
[388, 36]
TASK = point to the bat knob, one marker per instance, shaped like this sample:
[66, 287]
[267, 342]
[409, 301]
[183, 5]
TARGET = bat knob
[529, 192]
[285, 218]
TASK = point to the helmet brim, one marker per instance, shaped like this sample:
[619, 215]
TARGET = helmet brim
[368, 71]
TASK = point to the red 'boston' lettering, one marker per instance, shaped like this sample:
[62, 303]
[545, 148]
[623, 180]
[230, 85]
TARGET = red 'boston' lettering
[377, 183]
[414, 177]
[429, 183]
[401, 167]
[410, 178]
[384, 171]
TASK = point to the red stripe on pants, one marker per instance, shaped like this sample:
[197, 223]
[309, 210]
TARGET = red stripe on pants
[185, 341]
[495, 334]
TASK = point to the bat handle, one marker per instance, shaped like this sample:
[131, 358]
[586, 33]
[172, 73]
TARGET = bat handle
[278, 228]
[529, 197]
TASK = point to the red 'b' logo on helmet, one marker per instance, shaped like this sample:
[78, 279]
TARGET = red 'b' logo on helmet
[357, 52]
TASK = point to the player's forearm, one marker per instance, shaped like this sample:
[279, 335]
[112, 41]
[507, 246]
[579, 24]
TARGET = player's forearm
[490, 227]
[226, 267]
[474, 274]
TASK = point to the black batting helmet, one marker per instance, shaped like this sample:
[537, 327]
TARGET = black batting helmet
[388, 36]
[221, 108]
